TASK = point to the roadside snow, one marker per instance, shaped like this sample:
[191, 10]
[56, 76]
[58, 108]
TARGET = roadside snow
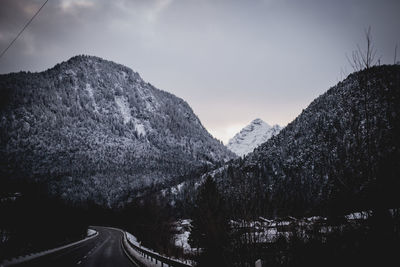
[147, 262]
[132, 239]
[91, 232]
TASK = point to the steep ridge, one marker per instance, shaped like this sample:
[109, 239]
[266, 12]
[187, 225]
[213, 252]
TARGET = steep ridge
[251, 136]
[341, 153]
[94, 130]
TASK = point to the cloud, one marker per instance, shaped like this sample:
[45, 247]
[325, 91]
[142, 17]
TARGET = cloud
[157, 8]
[226, 132]
[72, 5]
[231, 60]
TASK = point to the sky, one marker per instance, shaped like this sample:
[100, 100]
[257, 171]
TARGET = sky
[231, 60]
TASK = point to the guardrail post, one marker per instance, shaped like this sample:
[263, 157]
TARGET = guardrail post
[165, 261]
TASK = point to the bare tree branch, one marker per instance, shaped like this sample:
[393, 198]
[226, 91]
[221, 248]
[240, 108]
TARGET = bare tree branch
[364, 59]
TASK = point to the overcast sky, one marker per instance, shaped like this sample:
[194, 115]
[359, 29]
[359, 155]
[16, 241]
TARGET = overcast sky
[231, 60]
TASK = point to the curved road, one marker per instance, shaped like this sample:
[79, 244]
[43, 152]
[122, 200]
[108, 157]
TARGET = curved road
[105, 249]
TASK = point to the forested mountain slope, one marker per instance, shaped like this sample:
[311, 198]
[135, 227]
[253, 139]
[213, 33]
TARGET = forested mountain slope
[341, 153]
[94, 130]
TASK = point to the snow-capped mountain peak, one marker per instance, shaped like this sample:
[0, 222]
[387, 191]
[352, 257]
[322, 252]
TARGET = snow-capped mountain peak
[251, 136]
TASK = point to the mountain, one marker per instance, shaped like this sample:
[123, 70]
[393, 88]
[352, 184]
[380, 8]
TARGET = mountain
[251, 136]
[341, 153]
[94, 130]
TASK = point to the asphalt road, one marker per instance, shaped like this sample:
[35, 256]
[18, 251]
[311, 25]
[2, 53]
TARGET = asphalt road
[105, 249]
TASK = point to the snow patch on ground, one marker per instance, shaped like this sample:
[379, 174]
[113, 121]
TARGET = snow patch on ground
[178, 188]
[181, 240]
[136, 254]
[183, 228]
[70, 72]
[133, 240]
[123, 106]
[89, 89]
[91, 232]
[139, 127]
[265, 231]
[359, 215]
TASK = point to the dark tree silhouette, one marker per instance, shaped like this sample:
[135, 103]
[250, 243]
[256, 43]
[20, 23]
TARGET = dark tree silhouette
[211, 229]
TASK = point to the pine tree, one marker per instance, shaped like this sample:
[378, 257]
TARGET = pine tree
[210, 226]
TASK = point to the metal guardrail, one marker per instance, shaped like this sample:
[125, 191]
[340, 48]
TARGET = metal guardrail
[152, 256]
[34, 256]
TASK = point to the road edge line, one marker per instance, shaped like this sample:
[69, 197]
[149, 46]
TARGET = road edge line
[26, 258]
[124, 241]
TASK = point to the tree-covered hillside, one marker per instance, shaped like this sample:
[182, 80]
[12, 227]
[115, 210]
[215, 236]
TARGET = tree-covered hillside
[341, 153]
[94, 130]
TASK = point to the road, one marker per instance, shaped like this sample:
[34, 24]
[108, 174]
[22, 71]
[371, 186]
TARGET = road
[103, 250]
